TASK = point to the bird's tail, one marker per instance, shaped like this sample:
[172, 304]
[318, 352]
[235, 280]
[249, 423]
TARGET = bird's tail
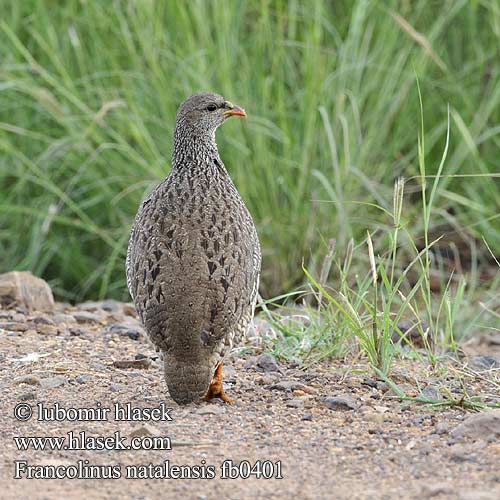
[186, 379]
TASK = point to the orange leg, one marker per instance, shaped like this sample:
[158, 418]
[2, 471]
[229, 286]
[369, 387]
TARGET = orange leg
[215, 389]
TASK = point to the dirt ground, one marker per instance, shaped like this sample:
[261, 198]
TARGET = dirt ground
[335, 429]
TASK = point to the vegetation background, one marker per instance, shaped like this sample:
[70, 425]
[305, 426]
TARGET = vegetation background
[89, 91]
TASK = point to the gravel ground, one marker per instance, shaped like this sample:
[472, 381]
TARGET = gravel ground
[335, 430]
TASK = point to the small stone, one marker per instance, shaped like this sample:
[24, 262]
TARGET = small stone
[416, 332]
[307, 417]
[53, 382]
[64, 319]
[292, 385]
[86, 317]
[76, 332]
[11, 326]
[211, 409]
[267, 363]
[144, 430]
[432, 490]
[382, 386]
[81, 379]
[27, 379]
[27, 396]
[130, 330]
[461, 453]
[43, 319]
[484, 425]
[486, 362]
[46, 329]
[141, 364]
[295, 403]
[128, 309]
[228, 371]
[340, 403]
[442, 428]
[431, 393]
[25, 290]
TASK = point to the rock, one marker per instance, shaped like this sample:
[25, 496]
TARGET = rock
[431, 393]
[478, 495]
[228, 371]
[64, 319]
[462, 453]
[27, 379]
[11, 326]
[24, 289]
[486, 362]
[382, 386]
[267, 363]
[46, 329]
[435, 489]
[340, 403]
[86, 317]
[144, 430]
[43, 319]
[76, 332]
[412, 331]
[27, 396]
[130, 330]
[442, 428]
[53, 382]
[141, 364]
[484, 425]
[81, 379]
[211, 409]
[295, 403]
[292, 385]
[307, 417]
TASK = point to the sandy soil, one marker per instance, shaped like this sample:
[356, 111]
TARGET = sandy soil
[359, 442]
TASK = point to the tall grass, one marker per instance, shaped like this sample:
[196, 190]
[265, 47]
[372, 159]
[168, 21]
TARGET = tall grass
[88, 93]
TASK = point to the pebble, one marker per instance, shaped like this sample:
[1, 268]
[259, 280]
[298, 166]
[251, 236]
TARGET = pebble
[27, 379]
[53, 382]
[484, 425]
[295, 403]
[12, 326]
[82, 379]
[132, 331]
[25, 290]
[431, 393]
[86, 317]
[267, 363]
[144, 430]
[211, 409]
[64, 319]
[142, 364]
[27, 396]
[291, 385]
[340, 403]
[43, 319]
[486, 362]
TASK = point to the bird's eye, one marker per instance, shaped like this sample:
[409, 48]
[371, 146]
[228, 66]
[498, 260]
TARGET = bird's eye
[211, 107]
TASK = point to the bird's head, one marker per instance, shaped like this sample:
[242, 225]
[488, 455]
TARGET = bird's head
[202, 113]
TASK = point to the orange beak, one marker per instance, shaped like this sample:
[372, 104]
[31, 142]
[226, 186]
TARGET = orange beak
[235, 111]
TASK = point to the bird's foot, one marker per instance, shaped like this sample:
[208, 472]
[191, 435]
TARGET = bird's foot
[215, 389]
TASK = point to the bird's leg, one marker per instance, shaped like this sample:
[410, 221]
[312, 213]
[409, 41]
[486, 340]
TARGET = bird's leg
[215, 389]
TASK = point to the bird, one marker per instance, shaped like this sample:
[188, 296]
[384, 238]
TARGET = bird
[194, 259]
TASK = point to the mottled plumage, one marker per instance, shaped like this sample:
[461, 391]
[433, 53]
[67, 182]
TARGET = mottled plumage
[193, 260]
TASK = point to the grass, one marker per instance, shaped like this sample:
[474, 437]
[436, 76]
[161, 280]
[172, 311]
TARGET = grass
[88, 93]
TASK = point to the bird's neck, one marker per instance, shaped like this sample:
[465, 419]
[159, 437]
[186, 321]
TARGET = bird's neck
[193, 149]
